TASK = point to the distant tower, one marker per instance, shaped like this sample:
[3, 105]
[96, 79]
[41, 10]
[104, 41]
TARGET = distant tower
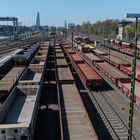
[65, 24]
[37, 21]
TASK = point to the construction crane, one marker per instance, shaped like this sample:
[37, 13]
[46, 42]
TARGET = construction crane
[15, 24]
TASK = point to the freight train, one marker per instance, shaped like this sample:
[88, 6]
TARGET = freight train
[18, 113]
[118, 45]
[114, 72]
[71, 103]
[27, 52]
[89, 77]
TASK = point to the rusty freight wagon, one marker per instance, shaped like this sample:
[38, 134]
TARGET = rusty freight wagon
[76, 123]
[126, 89]
[92, 58]
[99, 52]
[10, 79]
[115, 61]
[85, 72]
[77, 58]
[70, 51]
[88, 75]
[128, 70]
[112, 73]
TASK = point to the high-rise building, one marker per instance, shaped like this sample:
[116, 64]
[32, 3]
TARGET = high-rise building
[37, 21]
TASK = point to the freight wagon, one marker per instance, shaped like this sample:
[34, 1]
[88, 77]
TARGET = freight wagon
[61, 62]
[18, 114]
[10, 79]
[92, 58]
[64, 75]
[126, 89]
[74, 118]
[128, 70]
[115, 61]
[88, 75]
[98, 52]
[19, 111]
[85, 72]
[77, 58]
[59, 55]
[40, 58]
[24, 56]
[32, 76]
[57, 50]
[6, 62]
[37, 62]
[70, 51]
[76, 122]
[126, 48]
[112, 73]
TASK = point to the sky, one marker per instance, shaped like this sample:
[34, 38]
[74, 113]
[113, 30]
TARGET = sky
[54, 12]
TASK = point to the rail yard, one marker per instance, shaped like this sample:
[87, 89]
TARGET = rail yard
[69, 70]
[53, 90]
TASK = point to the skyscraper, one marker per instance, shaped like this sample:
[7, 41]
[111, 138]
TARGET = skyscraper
[37, 21]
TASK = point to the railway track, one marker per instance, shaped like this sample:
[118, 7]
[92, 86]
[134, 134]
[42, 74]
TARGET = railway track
[117, 127]
[5, 49]
[113, 117]
[112, 120]
[110, 113]
[121, 55]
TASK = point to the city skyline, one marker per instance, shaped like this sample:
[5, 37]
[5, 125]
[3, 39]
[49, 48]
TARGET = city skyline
[54, 12]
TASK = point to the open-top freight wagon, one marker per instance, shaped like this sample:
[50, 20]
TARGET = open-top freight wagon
[128, 70]
[85, 72]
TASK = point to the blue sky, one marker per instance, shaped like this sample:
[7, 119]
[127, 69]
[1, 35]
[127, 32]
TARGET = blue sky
[54, 12]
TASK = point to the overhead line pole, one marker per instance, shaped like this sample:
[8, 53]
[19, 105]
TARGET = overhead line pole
[132, 97]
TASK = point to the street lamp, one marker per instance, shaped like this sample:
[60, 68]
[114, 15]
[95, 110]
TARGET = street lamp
[132, 97]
